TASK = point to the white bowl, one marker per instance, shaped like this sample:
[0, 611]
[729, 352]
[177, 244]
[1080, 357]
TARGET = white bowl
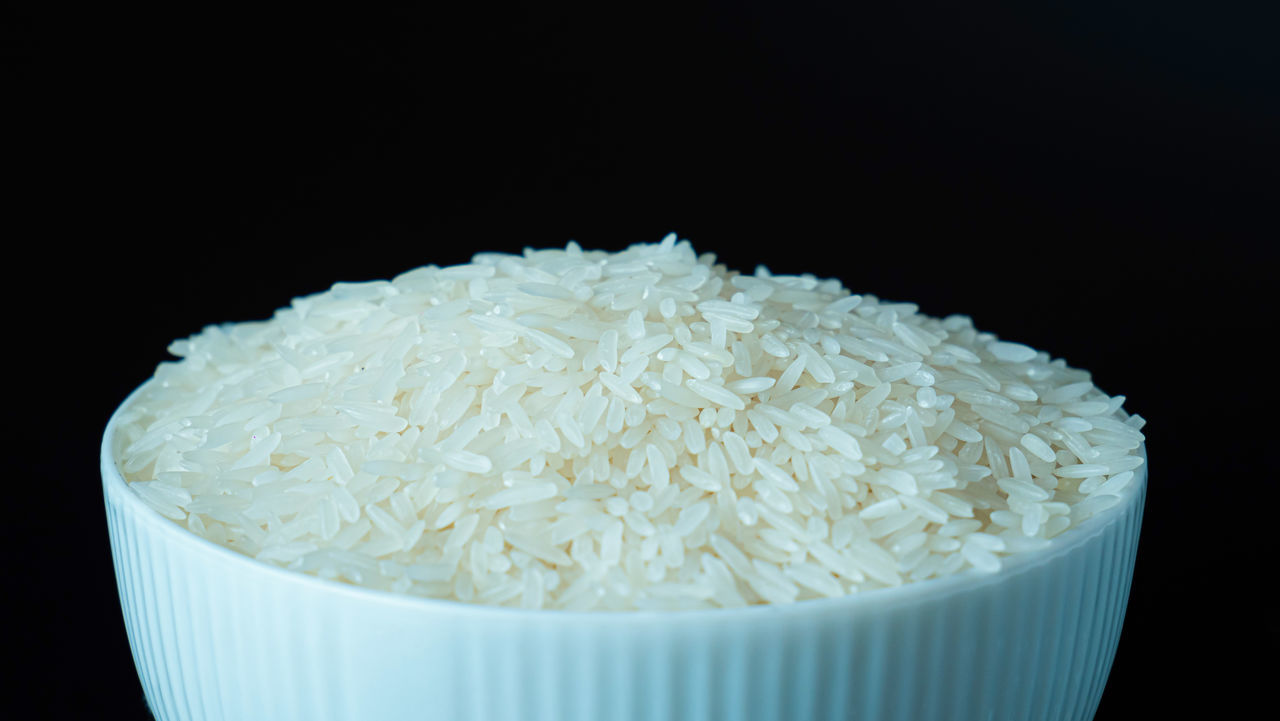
[219, 635]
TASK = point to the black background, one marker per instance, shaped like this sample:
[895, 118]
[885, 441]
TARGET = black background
[1095, 179]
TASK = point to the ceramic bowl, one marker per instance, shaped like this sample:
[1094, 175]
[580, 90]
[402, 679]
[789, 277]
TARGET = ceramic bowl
[220, 636]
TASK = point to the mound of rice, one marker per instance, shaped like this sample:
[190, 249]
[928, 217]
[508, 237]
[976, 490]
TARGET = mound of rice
[575, 429]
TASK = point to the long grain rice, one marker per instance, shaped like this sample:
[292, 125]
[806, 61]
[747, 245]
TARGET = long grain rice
[636, 430]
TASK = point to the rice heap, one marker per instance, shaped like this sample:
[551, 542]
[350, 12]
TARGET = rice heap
[646, 429]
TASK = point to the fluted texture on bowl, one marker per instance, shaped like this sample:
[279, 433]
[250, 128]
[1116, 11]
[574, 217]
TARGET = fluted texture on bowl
[217, 636]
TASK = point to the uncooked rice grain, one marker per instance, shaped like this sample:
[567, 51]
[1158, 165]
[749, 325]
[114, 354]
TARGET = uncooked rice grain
[572, 429]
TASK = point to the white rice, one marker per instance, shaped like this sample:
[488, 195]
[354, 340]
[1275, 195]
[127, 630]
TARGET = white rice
[637, 430]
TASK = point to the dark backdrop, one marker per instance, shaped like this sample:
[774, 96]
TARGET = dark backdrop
[1095, 179]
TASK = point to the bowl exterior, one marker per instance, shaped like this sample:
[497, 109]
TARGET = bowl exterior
[220, 637]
